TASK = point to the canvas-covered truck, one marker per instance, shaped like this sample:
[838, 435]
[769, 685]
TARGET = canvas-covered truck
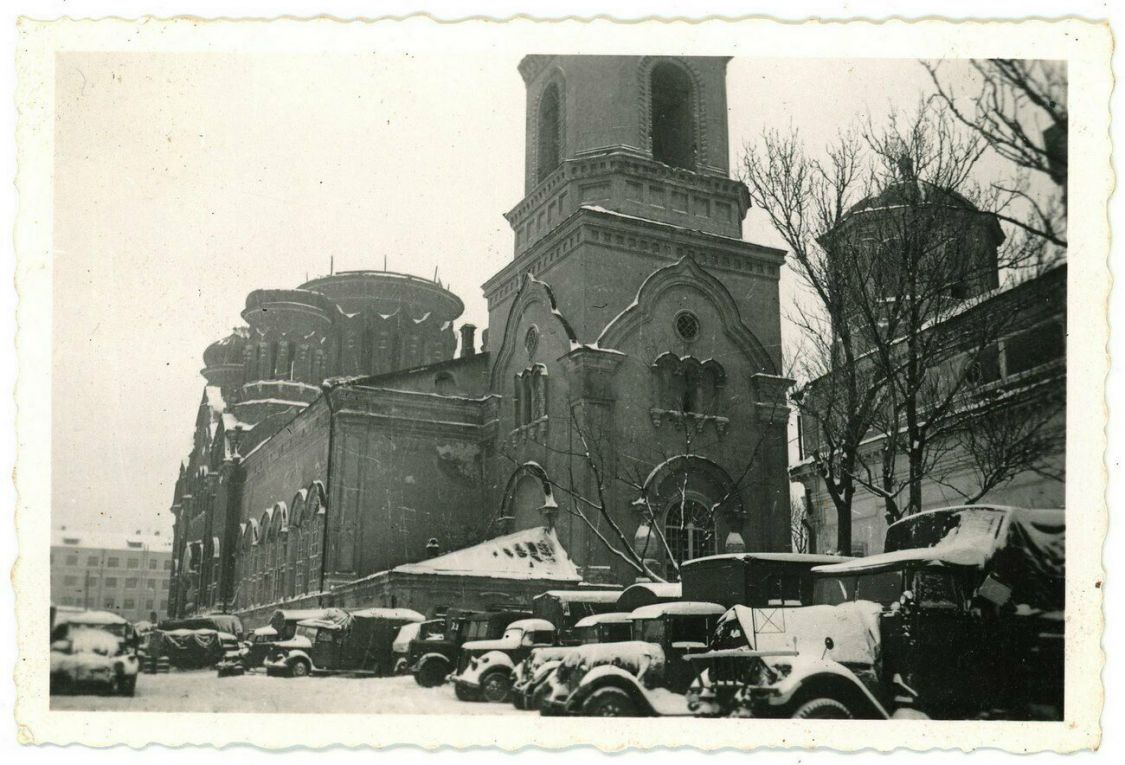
[758, 579]
[93, 651]
[355, 642]
[486, 667]
[432, 660]
[531, 676]
[961, 618]
[645, 676]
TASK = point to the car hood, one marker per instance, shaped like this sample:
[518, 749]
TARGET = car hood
[490, 645]
[297, 642]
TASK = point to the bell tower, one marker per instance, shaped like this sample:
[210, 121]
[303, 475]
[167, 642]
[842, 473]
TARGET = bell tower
[639, 135]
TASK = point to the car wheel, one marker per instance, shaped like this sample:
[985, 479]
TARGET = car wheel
[299, 668]
[542, 691]
[465, 693]
[432, 673]
[823, 709]
[496, 686]
[609, 702]
[401, 667]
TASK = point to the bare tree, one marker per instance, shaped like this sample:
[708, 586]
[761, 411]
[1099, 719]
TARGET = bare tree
[592, 470]
[899, 245]
[837, 397]
[1020, 111]
[800, 528]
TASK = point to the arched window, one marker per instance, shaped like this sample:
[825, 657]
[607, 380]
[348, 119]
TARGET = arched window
[689, 528]
[687, 385]
[530, 400]
[548, 129]
[673, 117]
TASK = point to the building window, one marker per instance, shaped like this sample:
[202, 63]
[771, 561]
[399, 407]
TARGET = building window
[110, 603]
[530, 399]
[549, 131]
[152, 563]
[70, 581]
[111, 581]
[164, 584]
[151, 584]
[689, 528]
[132, 563]
[112, 562]
[130, 604]
[72, 560]
[167, 565]
[163, 605]
[92, 560]
[131, 583]
[673, 118]
[687, 325]
[148, 605]
[688, 386]
[1034, 347]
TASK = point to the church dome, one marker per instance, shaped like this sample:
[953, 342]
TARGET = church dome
[226, 351]
[913, 192]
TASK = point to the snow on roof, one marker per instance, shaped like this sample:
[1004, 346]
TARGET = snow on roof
[214, 396]
[582, 596]
[677, 608]
[531, 625]
[90, 618]
[394, 614]
[659, 589]
[789, 557]
[104, 540]
[534, 553]
[614, 617]
[974, 554]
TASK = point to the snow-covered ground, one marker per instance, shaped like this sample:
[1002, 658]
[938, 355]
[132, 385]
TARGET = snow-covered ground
[204, 691]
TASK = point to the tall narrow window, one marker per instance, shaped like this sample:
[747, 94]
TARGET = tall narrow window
[673, 139]
[689, 528]
[548, 131]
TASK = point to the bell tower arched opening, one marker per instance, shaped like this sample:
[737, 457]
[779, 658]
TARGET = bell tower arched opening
[548, 127]
[673, 116]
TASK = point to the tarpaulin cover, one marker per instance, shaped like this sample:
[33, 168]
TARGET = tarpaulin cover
[218, 622]
[191, 649]
[283, 620]
[1022, 550]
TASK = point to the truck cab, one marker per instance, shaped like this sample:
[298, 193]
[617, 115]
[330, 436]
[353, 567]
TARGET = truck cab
[644, 676]
[486, 667]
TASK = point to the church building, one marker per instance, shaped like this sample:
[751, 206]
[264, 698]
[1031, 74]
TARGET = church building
[623, 412]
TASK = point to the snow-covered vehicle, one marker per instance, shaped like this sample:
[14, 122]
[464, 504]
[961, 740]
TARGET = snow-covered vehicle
[486, 667]
[356, 642]
[759, 579]
[565, 608]
[642, 677]
[531, 675]
[408, 633]
[961, 618]
[433, 657]
[93, 650]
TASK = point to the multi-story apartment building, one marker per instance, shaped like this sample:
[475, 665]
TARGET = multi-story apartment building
[126, 574]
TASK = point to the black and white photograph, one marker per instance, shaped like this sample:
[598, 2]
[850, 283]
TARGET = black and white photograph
[522, 380]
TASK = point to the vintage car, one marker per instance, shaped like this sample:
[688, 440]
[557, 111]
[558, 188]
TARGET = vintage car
[531, 675]
[432, 659]
[645, 676]
[227, 624]
[93, 650]
[565, 608]
[355, 642]
[961, 618]
[486, 667]
[186, 648]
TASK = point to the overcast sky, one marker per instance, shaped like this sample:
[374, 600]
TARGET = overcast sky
[182, 182]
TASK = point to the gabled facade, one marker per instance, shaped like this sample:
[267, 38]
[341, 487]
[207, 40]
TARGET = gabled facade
[633, 320]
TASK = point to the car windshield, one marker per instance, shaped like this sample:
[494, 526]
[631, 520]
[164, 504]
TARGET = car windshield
[512, 635]
[650, 630]
[883, 587]
[587, 635]
[476, 630]
[306, 631]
